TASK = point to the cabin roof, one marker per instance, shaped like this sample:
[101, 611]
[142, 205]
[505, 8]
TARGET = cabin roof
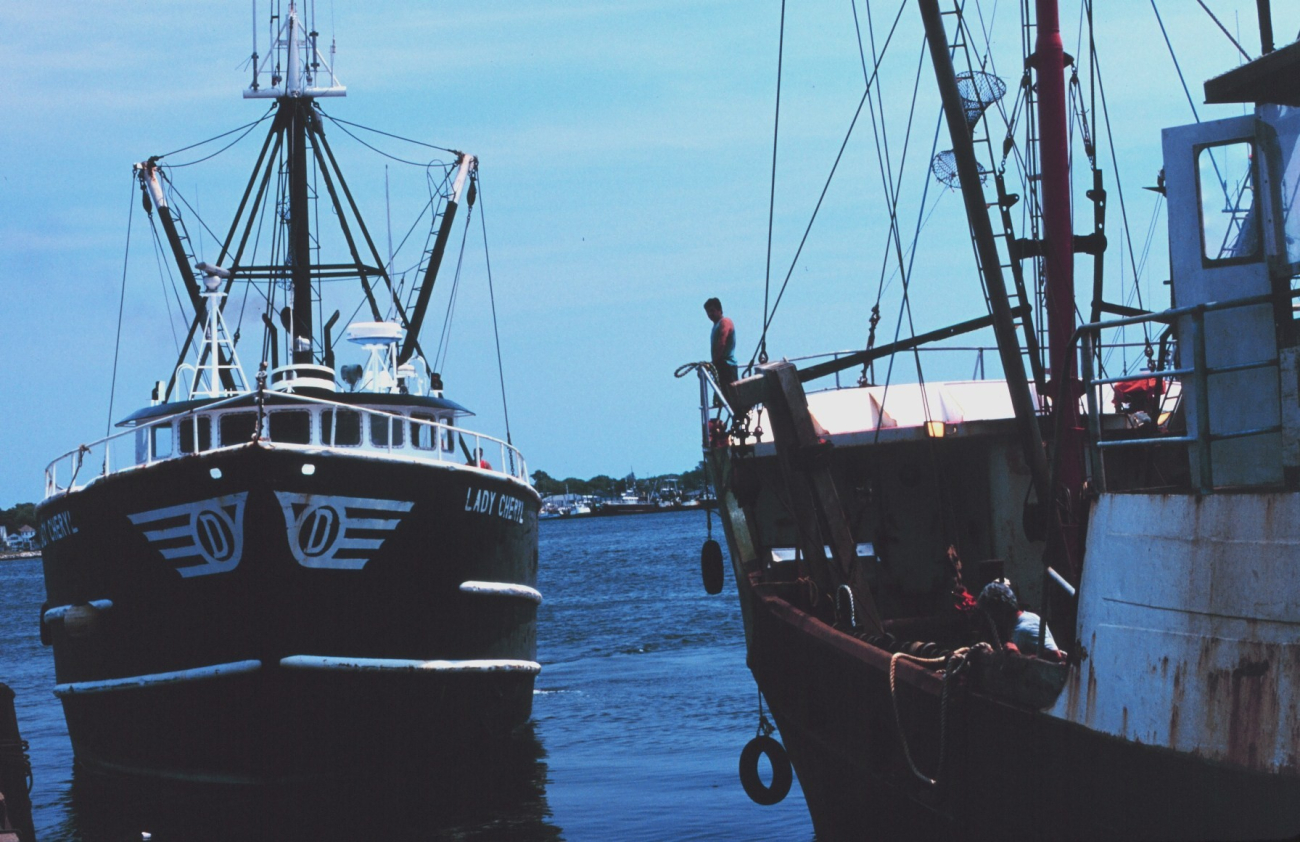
[1273, 77]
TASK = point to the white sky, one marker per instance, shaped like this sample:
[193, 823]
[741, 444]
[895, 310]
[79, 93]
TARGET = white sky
[626, 155]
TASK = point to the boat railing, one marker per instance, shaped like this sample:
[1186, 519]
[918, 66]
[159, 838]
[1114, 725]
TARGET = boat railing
[1195, 372]
[160, 440]
[711, 394]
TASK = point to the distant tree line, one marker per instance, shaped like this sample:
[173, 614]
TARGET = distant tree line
[24, 514]
[696, 479]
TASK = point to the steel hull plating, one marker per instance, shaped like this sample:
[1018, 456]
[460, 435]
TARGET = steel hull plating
[1007, 771]
[264, 613]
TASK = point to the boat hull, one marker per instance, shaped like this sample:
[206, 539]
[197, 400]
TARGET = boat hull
[1007, 771]
[262, 613]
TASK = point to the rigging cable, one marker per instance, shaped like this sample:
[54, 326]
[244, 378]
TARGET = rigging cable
[501, 374]
[768, 317]
[164, 275]
[925, 192]
[121, 306]
[246, 128]
[767, 320]
[1225, 31]
[1110, 141]
[771, 202]
[444, 341]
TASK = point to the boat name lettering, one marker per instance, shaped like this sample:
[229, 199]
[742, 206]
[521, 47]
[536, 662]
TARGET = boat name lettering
[482, 501]
[55, 527]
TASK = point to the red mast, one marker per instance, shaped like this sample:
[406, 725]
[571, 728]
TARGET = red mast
[1058, 230]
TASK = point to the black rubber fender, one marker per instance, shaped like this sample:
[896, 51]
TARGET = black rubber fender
[782, 774]
[46, 638]
[711, 566]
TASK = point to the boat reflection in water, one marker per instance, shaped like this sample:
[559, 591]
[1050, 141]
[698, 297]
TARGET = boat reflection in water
[498, 793]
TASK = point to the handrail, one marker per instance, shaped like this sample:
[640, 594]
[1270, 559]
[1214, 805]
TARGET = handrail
[1089, 336]
[509, 457]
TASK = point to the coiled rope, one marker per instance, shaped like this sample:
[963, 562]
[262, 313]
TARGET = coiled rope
[684, 370]
[19, 748]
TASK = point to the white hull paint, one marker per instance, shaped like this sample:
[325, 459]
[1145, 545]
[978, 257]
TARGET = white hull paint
[1189, 611]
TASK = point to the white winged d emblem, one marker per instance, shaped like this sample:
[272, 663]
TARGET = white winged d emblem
[211, 531]
[341, 533]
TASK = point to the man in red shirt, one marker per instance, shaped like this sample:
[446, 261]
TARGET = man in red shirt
[722, 346]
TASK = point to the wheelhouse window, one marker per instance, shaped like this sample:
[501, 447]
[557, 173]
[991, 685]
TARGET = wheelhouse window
[386, 431]
[162, 440]
[1226, 188]
[423, 435]
[236, 427]
[195, 433]
[290, 427]
[340, 427]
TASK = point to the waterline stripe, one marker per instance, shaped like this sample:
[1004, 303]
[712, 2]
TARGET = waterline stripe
[137, 682]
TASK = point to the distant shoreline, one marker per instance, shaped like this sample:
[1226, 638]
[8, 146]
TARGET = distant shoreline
[23, 554]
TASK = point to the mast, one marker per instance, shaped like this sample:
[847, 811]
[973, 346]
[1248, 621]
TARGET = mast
[1048, 62]
[298, 123]
[972, 192]
[299, 230]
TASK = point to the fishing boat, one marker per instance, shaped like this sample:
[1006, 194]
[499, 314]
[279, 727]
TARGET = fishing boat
[313, 570]
[1145, 509]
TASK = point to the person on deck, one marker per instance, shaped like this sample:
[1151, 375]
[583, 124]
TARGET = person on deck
[722, 346]
[1017, 630]
[478, 461]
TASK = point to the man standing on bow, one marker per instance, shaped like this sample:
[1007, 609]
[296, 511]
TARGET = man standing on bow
[722, 346]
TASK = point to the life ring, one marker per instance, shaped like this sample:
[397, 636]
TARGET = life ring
[711, 566]
[782, 775]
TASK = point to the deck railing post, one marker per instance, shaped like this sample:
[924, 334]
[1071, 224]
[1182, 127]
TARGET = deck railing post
[1201, 377]
[1098, 460]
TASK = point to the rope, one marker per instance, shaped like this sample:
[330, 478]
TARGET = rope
[953, 664]
[121, 305]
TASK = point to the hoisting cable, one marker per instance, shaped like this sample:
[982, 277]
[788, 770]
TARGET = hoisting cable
[771, 202]
[342, 127]
[492, 297]
[121, 306]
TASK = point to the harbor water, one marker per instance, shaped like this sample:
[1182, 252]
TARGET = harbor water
[639, 716]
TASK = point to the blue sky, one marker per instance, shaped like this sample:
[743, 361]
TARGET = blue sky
[626, 154]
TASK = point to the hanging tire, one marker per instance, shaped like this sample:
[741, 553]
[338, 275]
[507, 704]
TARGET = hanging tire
[782, 774]
[711, 567]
